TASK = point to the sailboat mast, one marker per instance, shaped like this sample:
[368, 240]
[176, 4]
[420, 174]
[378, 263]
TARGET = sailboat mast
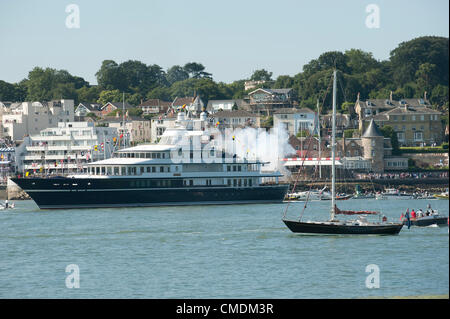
[333, 150]
[318, 132]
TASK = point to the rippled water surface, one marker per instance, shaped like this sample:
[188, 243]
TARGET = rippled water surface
[236, 251]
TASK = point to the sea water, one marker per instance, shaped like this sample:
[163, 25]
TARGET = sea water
[228, 251]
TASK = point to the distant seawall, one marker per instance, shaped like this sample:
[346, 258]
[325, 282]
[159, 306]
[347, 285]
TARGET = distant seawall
[408, 184]
[13, 191]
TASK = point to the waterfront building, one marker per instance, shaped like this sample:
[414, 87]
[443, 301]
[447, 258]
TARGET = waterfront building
[267, 101]
[193, 104]
[112, 106]
[154, 106]
[296, 120]
[159, 125]
[234, 119]
[28, 118]
[215, 106]
[66, 148]
[7, 163]
[85, 108]
[248, 85]
[371, 152]
[414, 126]
[137, 129]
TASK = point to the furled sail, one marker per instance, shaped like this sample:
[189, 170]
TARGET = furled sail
[352, 212]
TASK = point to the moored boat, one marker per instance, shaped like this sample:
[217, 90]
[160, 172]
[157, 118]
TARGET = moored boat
[167, 173]
[360, 226]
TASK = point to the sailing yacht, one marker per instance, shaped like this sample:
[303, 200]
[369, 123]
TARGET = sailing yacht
[360, 226]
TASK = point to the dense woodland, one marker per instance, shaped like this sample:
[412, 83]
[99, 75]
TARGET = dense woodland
[414, 67]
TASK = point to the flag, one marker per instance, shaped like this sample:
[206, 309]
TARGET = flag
[26, 174]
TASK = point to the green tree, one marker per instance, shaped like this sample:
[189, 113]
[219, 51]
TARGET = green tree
[408, 56]
[359, 61]
[388, 131]
[196, 70]
[88, 94]
[261, 75]
[110, 76]
[175, 74]
[425, 77]
[110, 96]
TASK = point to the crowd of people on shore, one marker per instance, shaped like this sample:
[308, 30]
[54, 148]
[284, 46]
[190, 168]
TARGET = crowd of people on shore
[418, 175]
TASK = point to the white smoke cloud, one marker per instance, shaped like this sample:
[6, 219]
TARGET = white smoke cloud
[258, 144]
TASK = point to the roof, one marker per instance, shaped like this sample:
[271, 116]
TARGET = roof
[183, 100]
[119, 105]
[91, 106]
[293, 110]
[155, 102]
[372, 130]
[387, 103]
[237, 113]
[271, 91]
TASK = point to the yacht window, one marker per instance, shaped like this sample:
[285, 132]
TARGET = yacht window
[239, 168]
[161, 169]
[228, 168]
[109, 170]
[103, 170]
[229, 182]
[148, 169]
[168, 169]
[116, 171]
[191, 182]
[132, 155]
[153, 169]
[234, 168]
[234, 182]
[250, 182]
[245, 182]
[142, 169]
[239, 182]
[158, 155]
[148, 155]
[163, 155]
[153, 155]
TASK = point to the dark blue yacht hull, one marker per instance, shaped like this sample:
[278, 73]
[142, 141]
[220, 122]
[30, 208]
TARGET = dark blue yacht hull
[56, 193]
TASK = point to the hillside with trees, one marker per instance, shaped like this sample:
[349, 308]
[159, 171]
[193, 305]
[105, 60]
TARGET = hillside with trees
[413, 68]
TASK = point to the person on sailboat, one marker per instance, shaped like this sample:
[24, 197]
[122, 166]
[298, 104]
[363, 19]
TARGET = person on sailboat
[420, 213]
[407, 218]
[413, 214]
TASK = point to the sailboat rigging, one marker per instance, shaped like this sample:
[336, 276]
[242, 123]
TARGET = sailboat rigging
[333, 226]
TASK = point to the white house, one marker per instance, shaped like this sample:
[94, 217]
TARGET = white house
[296, 120]
[28, 118]
[64, 149]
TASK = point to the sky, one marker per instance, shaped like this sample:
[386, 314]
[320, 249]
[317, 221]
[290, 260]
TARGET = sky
[231, 38]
